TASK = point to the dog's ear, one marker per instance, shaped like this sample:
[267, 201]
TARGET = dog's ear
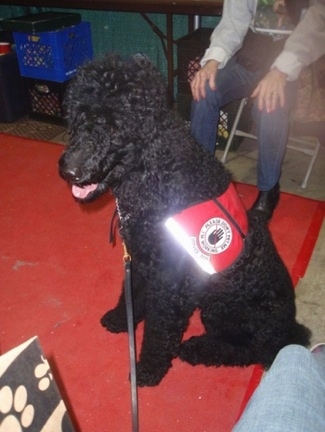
[142, 62]
[138, 58]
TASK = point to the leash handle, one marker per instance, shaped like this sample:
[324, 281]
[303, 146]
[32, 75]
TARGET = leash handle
[132, 348]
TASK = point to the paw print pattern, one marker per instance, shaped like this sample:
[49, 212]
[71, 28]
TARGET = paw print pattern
[18, 414]
[42, 371]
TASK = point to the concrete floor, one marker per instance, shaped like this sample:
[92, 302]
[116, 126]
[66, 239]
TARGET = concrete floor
[310, 291]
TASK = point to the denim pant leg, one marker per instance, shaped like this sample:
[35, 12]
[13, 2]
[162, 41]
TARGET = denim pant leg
[272, 134]
[233, 82]
[290, 397]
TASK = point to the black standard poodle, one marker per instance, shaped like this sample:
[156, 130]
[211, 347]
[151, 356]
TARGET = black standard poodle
[193, 246]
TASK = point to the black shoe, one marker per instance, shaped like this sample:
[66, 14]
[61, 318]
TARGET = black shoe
[267, 201]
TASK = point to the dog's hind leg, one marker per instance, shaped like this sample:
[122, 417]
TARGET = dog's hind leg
[211, 351]
[200, 350]
[242, 348]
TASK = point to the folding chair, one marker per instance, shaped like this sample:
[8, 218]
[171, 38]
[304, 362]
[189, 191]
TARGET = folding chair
[308, 145]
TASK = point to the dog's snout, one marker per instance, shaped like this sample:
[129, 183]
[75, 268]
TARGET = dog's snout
[71, 174]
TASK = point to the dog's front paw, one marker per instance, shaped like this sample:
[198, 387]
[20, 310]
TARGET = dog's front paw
[190, 352]
[114, 321]
[150, 376]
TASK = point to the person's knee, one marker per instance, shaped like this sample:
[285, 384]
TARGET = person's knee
[274, 120]
[293, 350]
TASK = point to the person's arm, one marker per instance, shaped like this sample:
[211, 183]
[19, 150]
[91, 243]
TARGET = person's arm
[225, 41]
[306, 44]
[227, 37]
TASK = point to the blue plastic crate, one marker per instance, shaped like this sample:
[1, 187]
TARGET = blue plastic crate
[54, 55]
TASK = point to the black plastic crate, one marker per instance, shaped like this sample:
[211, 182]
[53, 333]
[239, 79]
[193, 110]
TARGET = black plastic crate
[44, 21]
[13, 93]
[226, 120]
[46, 100]
[190, 50]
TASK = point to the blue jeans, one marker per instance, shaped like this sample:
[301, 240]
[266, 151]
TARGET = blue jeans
[291, 395]
[235, 82]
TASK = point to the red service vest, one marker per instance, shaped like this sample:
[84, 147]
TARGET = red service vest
[212, 232]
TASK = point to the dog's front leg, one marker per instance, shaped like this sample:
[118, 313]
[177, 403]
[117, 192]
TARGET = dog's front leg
[115, 320]
[164, 326]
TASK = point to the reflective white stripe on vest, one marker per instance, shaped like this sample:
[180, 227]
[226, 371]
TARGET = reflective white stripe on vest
[212, 232]
[187, 242]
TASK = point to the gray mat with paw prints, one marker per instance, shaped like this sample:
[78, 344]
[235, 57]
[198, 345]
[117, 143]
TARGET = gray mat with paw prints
[29, 397]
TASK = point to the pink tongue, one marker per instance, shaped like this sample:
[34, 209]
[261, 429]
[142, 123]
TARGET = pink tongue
[79, 192]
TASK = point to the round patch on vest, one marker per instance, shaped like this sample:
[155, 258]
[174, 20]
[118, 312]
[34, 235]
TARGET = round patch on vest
[215, 236]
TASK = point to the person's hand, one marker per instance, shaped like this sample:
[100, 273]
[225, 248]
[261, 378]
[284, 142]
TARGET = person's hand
[270, 90]
[207, 73]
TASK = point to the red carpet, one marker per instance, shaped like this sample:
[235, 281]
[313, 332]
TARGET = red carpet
[58, 276]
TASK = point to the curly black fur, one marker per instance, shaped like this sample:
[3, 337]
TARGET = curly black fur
[124, 137]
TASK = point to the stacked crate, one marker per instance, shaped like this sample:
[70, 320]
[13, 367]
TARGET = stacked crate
[50, 47]
[13, 95]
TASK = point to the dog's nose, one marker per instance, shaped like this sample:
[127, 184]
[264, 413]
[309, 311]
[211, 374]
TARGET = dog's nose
[71, 174]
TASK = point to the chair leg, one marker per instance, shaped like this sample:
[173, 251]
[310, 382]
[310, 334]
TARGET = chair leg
[313, 153]
[233, 130]
[311, 165]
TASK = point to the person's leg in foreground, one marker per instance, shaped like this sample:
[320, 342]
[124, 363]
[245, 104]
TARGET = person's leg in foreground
[290, 396]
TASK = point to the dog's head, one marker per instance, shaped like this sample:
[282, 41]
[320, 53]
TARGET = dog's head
[112, 108]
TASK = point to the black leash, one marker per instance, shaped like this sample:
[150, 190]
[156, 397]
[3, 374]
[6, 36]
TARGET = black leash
[131, 333]
[130, 321]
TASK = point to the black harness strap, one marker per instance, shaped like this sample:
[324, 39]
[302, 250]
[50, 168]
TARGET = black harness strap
[230, 217]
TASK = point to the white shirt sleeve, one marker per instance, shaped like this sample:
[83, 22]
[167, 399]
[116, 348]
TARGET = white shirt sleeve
[306, 44]
[227, 37]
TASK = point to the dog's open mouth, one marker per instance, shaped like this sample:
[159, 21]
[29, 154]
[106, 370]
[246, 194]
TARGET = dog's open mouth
[82, 192]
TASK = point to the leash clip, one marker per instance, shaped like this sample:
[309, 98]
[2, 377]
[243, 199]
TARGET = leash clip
[126, 255]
